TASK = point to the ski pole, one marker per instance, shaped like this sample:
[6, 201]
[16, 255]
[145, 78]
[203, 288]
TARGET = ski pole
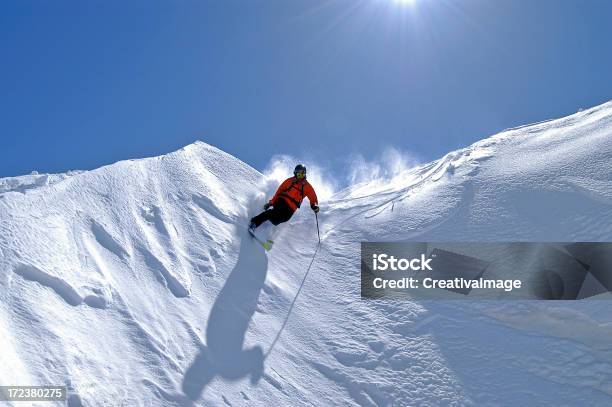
[318, 233]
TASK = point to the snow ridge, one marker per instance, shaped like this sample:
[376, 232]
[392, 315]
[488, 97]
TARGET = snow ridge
[138, 282]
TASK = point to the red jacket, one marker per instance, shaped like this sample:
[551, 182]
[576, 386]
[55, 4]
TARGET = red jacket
[293, 191]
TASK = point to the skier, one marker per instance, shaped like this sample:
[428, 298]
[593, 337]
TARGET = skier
[287, 199]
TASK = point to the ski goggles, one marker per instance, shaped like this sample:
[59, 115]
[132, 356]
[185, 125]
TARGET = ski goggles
[300, 175]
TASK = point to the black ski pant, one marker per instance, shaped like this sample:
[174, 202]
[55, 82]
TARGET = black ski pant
[280, 212]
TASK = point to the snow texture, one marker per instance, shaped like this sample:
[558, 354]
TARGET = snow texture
[138, 284]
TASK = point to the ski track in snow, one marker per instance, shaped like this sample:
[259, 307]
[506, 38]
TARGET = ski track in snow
[138, 282]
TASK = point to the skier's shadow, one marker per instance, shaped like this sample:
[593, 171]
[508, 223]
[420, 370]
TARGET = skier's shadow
[229, 319]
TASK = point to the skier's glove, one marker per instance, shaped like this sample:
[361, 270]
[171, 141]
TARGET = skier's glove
[267, 206]
[315, 208]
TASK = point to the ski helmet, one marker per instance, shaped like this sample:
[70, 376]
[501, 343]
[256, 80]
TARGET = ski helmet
[299, 169]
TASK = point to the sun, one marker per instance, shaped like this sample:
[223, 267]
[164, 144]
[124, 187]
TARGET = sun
[404, 2]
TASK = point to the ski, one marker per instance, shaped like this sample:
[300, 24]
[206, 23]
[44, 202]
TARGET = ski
[267, 244]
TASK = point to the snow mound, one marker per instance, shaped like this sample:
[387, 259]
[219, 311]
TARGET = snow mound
[138, 281]
[32, 181]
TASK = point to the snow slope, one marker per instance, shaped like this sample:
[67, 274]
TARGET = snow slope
[137, 284]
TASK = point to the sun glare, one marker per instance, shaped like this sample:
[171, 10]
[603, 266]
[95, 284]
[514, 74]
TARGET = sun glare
[404, 2]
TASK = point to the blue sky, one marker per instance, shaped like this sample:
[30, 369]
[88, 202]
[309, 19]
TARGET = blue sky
[87, 83]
